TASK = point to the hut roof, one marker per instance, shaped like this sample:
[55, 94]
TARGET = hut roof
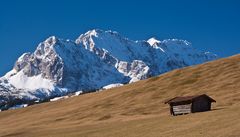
[187, 98]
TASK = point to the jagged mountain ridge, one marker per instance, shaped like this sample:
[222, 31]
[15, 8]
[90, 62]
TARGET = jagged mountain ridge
[94, 60]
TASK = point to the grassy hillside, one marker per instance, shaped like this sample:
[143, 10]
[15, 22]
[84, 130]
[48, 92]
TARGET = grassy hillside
[138, 110]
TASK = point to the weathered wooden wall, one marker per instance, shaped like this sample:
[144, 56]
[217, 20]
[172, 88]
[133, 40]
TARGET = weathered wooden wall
[181, 109]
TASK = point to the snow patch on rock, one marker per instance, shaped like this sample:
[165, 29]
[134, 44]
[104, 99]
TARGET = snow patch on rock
[21, 81]
[112, 86]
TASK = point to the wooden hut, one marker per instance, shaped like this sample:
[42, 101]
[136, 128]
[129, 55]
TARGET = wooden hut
[189, 104]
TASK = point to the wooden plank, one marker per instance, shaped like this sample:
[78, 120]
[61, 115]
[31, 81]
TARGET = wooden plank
[181, 109]
[182, 112]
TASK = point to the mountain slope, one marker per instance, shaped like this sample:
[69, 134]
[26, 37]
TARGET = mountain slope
[96, 59]
[137, 109]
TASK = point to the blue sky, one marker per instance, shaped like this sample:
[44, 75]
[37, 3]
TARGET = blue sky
[209, 25]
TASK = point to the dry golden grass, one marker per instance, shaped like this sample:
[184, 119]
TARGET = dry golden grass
[137, 109]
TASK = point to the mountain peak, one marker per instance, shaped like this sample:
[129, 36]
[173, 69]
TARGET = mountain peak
[51, 40]
[152, 41]
[93, 32]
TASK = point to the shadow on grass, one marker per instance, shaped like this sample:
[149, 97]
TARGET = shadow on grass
[214, 109]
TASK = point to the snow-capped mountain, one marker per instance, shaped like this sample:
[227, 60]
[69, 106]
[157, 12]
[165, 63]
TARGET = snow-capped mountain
[94, 60]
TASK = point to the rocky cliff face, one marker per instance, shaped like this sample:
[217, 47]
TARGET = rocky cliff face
[94, 60]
